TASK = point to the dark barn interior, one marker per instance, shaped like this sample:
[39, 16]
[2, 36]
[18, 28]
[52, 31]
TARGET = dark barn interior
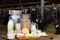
[46, 12]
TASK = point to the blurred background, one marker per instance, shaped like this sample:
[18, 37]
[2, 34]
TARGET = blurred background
[50, 13]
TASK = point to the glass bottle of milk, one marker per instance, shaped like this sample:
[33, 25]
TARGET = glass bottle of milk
[10, 29]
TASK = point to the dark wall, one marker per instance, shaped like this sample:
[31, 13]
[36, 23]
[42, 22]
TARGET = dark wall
[4, 15]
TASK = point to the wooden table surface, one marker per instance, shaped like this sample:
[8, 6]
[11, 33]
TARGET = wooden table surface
[40, 38]
[30, 38]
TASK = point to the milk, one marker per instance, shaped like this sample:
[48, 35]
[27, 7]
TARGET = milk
[10, 29]
[33, 28]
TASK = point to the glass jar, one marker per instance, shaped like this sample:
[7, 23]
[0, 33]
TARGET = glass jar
[25, 21]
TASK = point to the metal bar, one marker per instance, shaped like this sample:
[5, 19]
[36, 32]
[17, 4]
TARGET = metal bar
[20, 4]
[42, 9]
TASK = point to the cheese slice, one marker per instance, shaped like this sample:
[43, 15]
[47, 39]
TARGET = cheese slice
[25, 31]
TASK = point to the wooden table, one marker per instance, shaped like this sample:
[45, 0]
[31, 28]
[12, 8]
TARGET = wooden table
[29, 38]
[40, 38]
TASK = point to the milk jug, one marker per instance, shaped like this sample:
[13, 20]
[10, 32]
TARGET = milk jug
[33, 28]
